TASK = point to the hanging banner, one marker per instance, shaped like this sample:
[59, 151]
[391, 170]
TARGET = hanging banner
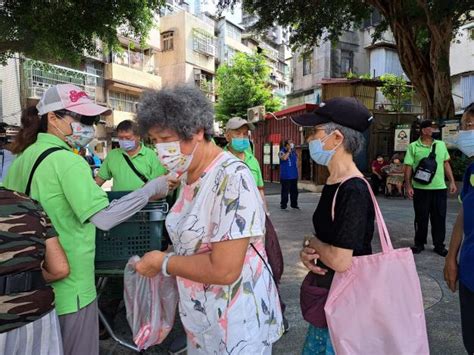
[402, 137]
[449, 133]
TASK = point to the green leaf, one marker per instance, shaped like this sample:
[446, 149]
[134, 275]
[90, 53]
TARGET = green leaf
[244, 185]
[235, 288]
[240, 222]
[248, 288]
[223, 185]
[231, 205]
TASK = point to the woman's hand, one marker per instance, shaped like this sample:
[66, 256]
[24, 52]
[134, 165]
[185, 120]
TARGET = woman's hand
[150, 264]
[173, 182]
[451, 273]
[309, 257]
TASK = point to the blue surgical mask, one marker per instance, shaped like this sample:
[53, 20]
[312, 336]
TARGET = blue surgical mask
[465, 142]
[127, 145]
[240, 144]
[317, 152]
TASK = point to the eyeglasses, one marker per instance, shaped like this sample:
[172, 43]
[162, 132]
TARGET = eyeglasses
[87, 120]
[313, 130]
[466, 125]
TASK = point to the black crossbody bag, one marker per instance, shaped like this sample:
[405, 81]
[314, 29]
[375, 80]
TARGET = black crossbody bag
[130, 164]
[426, 169]
[36, 164]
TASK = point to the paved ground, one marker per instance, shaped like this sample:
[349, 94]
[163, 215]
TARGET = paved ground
[441, 306]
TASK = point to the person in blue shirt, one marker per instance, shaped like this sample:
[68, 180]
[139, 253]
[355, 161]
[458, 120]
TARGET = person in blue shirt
[288, 175]
[6, 156]
[464, 268]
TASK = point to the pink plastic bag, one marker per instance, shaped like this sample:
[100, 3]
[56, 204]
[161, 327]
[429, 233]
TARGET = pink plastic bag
[376, 306]
[150, 304]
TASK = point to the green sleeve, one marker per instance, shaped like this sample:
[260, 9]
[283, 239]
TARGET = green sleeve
[254, 167]
[85, 197]
[445, 152]
[409, 157]
[259, 178]
[104, 171]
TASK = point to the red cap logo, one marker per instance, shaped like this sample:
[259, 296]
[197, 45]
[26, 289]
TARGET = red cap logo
[74, 95]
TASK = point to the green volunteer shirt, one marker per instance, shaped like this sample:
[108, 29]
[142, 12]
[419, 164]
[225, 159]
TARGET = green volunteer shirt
[254, 167]
[417, 151]
[63, 185]
[115, 166]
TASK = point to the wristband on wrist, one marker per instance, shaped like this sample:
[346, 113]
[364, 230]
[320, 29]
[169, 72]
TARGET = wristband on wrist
[164, 265]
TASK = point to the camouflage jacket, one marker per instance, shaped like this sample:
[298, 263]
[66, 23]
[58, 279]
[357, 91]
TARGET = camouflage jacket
[24, 227]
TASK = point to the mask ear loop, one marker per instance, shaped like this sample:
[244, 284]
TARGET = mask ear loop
[60, 131]
[327, 137]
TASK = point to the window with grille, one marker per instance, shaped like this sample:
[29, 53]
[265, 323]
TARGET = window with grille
[233, 32]
[467, 88]
[123, 102]
[229, 53]
[203, 43]
[347, 62]
[167, 41]
[307, 63]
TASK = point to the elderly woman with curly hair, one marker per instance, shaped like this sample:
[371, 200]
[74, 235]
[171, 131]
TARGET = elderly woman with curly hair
[228, 299]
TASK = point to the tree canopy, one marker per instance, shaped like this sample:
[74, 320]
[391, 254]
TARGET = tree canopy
[396, 90]
[242, 84]
[63, 30]
[422, 29]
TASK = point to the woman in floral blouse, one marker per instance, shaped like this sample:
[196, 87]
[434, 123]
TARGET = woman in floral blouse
[228, 299]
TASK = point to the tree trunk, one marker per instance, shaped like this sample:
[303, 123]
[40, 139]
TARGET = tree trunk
[427, 68]
[441, 36]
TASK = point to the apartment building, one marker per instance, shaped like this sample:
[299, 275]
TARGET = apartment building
[23, 81]
[188, 53]
[114, 79]
[273, 44]
[229, 41]
[356, 53]
[222, 36]
[130, 71]
[462, 67]
[353, 53]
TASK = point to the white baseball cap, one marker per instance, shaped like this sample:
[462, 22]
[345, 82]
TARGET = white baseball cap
[69, 97]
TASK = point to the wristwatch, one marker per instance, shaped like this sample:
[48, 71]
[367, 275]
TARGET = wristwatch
[164, 265]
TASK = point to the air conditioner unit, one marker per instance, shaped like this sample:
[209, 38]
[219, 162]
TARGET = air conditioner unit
[255, 114]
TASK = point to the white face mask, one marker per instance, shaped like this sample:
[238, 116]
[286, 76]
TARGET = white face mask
[172, 159]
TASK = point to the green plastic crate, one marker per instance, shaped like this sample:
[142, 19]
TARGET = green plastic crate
[139, 234]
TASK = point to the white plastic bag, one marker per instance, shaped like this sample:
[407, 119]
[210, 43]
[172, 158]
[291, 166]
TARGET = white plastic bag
[150, 304]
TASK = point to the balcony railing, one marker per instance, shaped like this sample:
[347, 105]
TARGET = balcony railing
[135, 60]
[41, 76]
[269, 52]
[206, 85]
[203, 43]
[170, 9]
